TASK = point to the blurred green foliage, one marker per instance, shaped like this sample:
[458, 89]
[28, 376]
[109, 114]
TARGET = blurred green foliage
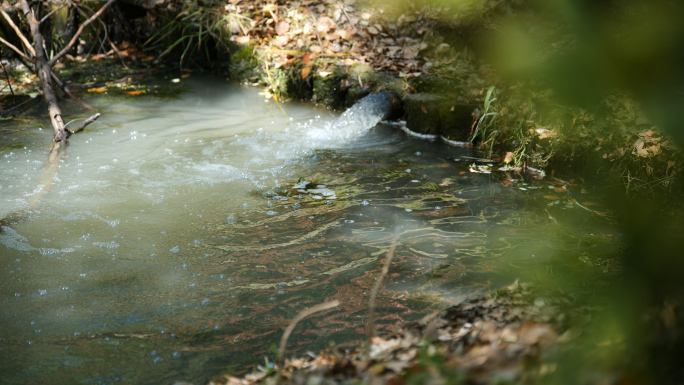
[587, 49]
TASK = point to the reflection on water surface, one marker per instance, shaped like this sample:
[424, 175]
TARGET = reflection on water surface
[178, 239]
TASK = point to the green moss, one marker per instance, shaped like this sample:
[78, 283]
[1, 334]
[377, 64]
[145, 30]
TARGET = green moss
[327, 90]
[244, 65]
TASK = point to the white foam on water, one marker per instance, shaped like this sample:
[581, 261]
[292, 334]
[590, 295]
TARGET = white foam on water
[354, 122]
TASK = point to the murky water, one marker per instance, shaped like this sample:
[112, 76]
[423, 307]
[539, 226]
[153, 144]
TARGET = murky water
[177, 239]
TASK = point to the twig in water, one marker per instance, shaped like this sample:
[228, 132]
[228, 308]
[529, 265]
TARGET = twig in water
[370, 328]
[85, 123]
[295, 321]
[9, 81]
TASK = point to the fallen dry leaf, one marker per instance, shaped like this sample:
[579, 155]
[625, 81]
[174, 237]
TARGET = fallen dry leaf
[282, 28]
[305, 72]
[545, 133]
[240, 39]
[134, 92]
[98, 89]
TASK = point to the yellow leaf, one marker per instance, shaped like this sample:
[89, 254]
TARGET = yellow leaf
[98, 89]
[185, 76]
[305, 72]
[134, 92]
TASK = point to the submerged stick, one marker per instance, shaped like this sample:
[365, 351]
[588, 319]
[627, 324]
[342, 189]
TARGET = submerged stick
[295, 321]
[44, 183]
[370, 328]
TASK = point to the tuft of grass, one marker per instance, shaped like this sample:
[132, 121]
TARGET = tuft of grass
[486, 130]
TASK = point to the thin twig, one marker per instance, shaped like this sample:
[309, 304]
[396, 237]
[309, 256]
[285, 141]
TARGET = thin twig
[18, 32]
[85, 123]
[9, 82]
[68, 92]
[370, 328]
[15, 49]
[116, 50]
[295, 321]
[315, 21]
[74, 39]
[50, 14]
[7, 111]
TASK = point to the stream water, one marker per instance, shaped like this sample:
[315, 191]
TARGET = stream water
[178, 237]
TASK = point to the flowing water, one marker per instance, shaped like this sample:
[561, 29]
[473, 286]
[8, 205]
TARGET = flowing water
[179, 236]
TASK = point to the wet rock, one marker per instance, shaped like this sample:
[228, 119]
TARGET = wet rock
[327, 90]
[457, 121]
[423, 113]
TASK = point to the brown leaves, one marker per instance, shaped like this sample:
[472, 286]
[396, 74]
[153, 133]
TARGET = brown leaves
[282, 28]
[325, 24]
[305, 72]
[338, 30]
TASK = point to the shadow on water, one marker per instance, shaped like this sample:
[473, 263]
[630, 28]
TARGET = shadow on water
[179, 238]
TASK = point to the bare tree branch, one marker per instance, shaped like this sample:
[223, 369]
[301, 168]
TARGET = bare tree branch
[78, 33]
[85, 123]
[43, 70]
[18, 32]
[54, 77]
[15, 49]
[68, 92]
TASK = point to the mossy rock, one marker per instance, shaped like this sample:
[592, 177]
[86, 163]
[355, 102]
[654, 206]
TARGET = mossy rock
[430, 83]
[244, 65]
[423, 113]
[298, 87]
[457, 120]
[328, 91]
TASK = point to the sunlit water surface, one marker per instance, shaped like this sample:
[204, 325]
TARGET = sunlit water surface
[173, 245]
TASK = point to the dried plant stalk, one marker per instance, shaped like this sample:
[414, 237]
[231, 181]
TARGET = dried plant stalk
[370, 328]
[295, 321]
